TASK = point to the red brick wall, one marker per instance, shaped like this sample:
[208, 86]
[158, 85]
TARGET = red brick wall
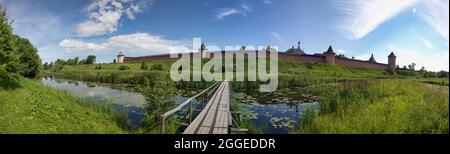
[147, 58]
[303, 59]
[360, 64]
[284, 56]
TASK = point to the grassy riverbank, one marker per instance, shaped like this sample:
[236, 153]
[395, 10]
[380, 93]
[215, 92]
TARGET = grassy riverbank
[378, 107]
[33, 108]
[291, 74]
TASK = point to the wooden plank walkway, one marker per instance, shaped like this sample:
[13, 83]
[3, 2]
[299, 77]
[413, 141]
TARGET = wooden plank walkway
[214, 118]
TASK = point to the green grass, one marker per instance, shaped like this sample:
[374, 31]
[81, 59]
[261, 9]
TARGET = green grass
[378, 107]
[435, 81]
[291, 74]
[33, 108]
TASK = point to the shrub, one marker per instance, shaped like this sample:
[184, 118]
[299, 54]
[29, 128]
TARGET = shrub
[144, 66]
[124, 67]
[159, 93]
[157, 67]
[98, 67]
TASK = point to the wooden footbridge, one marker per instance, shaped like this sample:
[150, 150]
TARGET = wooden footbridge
[215, 116]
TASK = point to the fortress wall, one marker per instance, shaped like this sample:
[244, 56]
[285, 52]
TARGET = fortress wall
[147, 58]
[360, 64]
[283, 56]
[302, 59]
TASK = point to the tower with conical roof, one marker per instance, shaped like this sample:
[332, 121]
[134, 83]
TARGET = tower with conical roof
[372, 59]
[330, 56]
[203, 50]
[391, 61]
[120, 57]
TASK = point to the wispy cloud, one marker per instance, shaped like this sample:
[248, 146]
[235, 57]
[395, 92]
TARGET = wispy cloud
[436, 14]
[426, 42]
[277, 36]
[268, 2]
[362, 17]
[340, 51]
[104, 16]
[138, 42]
[32, 22]
[243, 9]
[41, 26]
[431, 61]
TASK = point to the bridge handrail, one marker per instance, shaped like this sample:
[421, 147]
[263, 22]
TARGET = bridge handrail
[178, 108]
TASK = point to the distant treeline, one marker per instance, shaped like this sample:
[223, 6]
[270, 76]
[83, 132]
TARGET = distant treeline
[59, 63]
[410, 70]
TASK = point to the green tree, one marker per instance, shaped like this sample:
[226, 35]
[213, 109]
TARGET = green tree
[423, 69]
[159, 92]
[90, 59]
[81, 62]
[29, 59]
[114, 61]
[9, 57]
[45, 66]
[412, 66]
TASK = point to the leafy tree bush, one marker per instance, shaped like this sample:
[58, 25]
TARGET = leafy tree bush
[46, 66]
[157, 67]
[124, 67]
[90, 59]
[159, 93]
[144, 66]
[29, 58]
[9, 57]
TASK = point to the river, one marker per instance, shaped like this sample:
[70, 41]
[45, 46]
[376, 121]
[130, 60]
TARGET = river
[272, 118]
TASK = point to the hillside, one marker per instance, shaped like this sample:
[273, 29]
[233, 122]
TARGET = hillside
[287, 69]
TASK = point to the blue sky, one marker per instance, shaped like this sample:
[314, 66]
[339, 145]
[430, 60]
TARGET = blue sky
[416, 30]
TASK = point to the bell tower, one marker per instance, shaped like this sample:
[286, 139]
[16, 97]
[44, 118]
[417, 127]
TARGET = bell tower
[120, 57]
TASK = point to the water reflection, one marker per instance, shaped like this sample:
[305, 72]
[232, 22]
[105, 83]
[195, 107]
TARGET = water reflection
[121, 100]
[276, 118]
[92, 90]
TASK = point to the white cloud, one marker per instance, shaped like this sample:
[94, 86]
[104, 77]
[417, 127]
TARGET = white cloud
[362, 17]
[34, 23]
[224, 12]
[277, 36]
[138, 42]
[268, 2]
[427, 42]
[41, 26]
[436, 14]
[104, 16]
[431, 61]
[363, 57]
[221, 13]
[340, 51]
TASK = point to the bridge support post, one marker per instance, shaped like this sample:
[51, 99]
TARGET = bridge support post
[163, 122]
[190, 112]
